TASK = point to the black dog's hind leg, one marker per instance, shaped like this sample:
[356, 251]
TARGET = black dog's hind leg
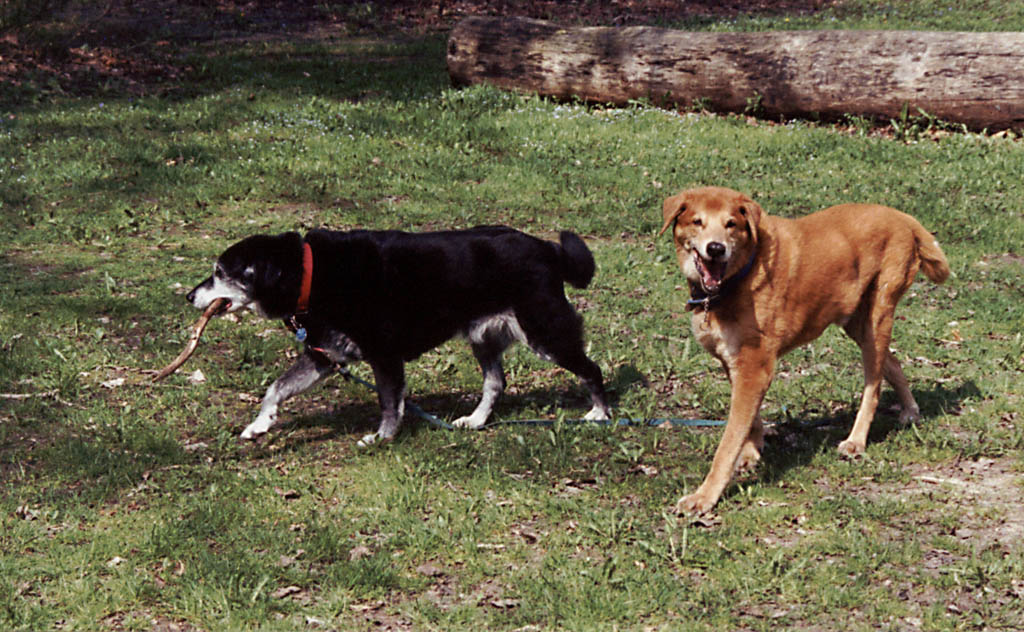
[555, 331]
[307, 371]
[390, 378]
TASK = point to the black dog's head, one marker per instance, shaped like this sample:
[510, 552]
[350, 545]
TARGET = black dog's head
[262, 272]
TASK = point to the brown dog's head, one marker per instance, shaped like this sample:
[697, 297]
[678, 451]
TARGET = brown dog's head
[715, 233]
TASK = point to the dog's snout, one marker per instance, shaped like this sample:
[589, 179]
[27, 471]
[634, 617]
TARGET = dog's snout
[194, 294]
[715, 250]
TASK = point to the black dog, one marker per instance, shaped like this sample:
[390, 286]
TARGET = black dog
[388, 296]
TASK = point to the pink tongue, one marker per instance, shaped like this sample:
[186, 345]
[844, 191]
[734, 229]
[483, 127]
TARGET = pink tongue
[711, 273]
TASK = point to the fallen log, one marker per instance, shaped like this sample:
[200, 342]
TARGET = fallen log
[976, 79]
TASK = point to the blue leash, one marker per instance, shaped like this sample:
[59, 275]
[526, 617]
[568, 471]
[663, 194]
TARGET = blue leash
[626, 421]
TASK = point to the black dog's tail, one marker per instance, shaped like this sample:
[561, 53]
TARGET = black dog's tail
[577, 261]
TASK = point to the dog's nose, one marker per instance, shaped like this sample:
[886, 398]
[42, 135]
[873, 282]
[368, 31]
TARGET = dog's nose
[191, 296]
[715, 250]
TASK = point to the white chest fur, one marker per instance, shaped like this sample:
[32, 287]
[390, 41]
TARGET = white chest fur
[719, 339]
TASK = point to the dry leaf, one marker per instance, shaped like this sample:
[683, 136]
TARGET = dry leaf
[526, 533]
[505, 603]
[287, 591]
[287, 560]
[25, 512]
[359, 552]
[429, 569]
[646, 470]
[706, 520]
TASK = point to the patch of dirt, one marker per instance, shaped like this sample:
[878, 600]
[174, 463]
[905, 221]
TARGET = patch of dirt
[129, 621]
[984, 493]
[1007, 259]
[141, 47]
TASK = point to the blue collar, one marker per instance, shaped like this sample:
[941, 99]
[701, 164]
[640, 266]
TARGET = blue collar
[698, 297]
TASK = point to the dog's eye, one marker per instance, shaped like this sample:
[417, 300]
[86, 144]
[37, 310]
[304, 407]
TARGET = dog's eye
[743, 211]
[730, 224]
[697, 221]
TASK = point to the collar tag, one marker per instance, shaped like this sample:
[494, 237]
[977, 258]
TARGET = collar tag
[300, 332]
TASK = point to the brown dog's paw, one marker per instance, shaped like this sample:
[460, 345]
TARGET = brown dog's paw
[750, 456]
[695, 503]
[851, 449]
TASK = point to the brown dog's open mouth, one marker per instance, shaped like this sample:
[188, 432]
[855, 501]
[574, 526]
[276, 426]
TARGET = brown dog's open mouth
[712, 273]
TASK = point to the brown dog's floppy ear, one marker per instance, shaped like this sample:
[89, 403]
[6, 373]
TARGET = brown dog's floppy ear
[753, 212]
[671, 209]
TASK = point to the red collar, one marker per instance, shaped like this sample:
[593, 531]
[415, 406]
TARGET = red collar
[307, 279]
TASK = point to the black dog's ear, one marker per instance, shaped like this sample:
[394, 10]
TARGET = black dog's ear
[276, 262]
[271, 274]
[282, 260]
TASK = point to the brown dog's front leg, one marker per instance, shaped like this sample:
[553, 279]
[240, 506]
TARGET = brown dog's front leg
[748, 389]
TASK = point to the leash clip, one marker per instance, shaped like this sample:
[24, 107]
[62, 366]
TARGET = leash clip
[703, 303]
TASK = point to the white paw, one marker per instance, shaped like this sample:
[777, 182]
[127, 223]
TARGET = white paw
[374, 438]
[597, 414]
[471, 421]
[257, 428]
[249, 433]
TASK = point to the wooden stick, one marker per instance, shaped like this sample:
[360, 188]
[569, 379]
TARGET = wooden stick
[193, 339]
[28, 395]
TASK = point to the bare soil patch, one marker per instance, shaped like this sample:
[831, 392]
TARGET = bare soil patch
[137, 46]
[985, 494]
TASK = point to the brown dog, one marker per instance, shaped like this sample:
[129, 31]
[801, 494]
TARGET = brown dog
[763, 285]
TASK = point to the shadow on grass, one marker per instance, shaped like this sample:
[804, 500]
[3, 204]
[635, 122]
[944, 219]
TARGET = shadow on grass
[350, 421]
[795, 442]
[165, 48]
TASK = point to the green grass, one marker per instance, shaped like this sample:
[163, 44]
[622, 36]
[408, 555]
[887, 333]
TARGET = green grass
[128, 505]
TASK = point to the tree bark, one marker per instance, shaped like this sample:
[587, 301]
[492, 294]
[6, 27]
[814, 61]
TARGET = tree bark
[972, 78]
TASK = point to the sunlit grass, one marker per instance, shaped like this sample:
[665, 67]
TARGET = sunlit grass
[126, 503]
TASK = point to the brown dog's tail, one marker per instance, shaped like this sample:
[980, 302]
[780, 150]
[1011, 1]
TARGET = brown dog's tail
[933, 262]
